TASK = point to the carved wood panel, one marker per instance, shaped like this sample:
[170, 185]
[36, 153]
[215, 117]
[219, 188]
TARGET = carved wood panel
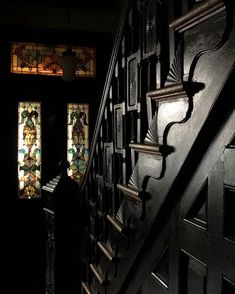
[129, 156]
[206, 254]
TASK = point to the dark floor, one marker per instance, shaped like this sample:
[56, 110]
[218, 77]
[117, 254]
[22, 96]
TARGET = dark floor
[22, 258]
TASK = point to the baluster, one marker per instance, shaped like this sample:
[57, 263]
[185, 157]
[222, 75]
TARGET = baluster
[138, 123]
[133, 159]
[106, 123]
[116, 74]
[123, 147]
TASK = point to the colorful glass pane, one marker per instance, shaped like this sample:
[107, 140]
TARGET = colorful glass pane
[78, 140]
[29, 149]
[42, 59]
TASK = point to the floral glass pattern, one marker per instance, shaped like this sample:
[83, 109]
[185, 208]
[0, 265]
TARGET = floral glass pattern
[78, 140]
[29, 150]
[42, 59]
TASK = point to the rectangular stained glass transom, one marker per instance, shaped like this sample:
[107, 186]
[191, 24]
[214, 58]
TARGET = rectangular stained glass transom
[29, 150]
[77, 140]
[42, 59]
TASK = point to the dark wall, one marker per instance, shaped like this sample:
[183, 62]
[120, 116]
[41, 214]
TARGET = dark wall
[22, 231]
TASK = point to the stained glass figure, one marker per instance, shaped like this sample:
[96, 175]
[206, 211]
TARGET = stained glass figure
[42, 59]
[78, 140]
[29, 150]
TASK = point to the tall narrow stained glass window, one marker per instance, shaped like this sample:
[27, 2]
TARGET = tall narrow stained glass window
[29, 150]
[78, 140]
[43, 59]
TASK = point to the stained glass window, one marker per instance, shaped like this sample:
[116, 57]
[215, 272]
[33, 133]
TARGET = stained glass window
[78, 140]
[42, 59]
[29, 149]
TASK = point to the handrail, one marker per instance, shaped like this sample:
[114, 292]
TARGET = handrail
[106, 88]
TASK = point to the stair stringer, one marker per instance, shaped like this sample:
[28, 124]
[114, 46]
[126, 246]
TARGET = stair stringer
[164, 232]
[181, 136]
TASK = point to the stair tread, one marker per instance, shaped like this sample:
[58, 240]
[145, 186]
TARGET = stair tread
[49, 189]
[116, 223]
[147, 148]
[169, 92]
[98, 273]
[52, 182]
[130, 191]
[106, 250]
[87, 288]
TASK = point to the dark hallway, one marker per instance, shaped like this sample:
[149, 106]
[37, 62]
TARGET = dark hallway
[22, 254]
[155, 212]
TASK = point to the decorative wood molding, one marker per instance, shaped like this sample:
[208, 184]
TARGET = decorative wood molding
[133, 76]
[100, 213]
[98, 274]
[197, 15]
[87, 288]
[152, 134]
[176, 70]
[133, 181]
[170, 92]
[154, 149]
[118, 225]
[92, 237]
[119, 109]
[106, 250]
[150, 34]
[130, 191]
[108, 153]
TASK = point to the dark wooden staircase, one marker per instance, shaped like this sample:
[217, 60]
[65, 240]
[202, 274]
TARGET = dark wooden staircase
[160, 181]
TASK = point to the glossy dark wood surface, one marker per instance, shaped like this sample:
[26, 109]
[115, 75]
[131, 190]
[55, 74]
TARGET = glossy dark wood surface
[160, 183]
